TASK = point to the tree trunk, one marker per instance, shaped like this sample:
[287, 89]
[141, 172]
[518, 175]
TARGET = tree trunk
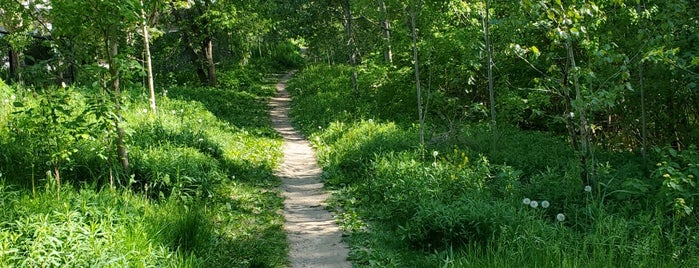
[14, 65]
[486, 34]
[416, 59]
[386, 31]
[149, 64]
[352, 50]
[208, 47]
[113, 49]
[582, 128]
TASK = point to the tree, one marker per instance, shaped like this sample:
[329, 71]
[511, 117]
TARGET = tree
[111, 21]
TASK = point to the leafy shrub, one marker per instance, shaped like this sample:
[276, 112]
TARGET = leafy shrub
[161, 170]
[287, 55]
[354, 146]
[465, 220]
[679, 173]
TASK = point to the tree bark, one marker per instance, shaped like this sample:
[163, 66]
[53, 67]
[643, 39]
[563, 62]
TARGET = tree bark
[14, 65]
[416, 59]
[122, 153]
[208, 47]
[149, 64]
[486, 33]
[351, 47]
[386, 31]
[582, 128]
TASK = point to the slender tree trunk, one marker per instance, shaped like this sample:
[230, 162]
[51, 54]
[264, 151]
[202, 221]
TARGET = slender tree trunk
[416, 59]
[352, 49]
[386, 31]
[14, 65]
[582, 128]
[208, 46]
[113, 50]
[149, 64]
[644, 133]
[486, 34]
[57, 177]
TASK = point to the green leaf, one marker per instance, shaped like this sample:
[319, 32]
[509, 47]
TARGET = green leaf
[535, 50]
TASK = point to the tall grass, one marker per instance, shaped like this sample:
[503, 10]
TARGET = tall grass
[460, 201]
[200, 192]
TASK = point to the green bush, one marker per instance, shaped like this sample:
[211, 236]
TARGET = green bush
[162, 170]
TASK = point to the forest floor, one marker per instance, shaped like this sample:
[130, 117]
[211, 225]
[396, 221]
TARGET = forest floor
[314, 238]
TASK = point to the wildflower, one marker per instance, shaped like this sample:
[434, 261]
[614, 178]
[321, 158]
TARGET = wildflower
[560, 217]
[545, 204]
[7, 101]
[588, 188]
[526, 201]
[181, 111]
[533, 204]
[172, 112]
[199, 120]
[13, 97]
[435, 153]
[201, 140]
[145, 111]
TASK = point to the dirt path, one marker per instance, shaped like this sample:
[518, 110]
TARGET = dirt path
[314, 238]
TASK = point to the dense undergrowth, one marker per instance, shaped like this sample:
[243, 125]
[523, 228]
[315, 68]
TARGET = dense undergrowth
[480, 196]
[199, 192]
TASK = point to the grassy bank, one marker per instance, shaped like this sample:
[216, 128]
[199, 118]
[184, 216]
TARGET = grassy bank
[200, 192]
[478, 196]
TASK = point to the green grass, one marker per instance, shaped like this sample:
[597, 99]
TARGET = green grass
[201, 193]
[458, 201]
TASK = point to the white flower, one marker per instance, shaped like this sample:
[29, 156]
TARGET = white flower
[172, 112]
[526, 201]
[533, 204]
[545, 204]
[181, 111]
[435, 153]
[201, 140]
[572, 114]
[7, 101]
[199, 120]
[145, 111]
[588, 188]
[13, 97]
[560, 217]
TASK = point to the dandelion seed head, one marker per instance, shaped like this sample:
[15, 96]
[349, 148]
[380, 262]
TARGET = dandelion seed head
[435, 153]
[588, 188]
[526, 201]
[533, 204]
[560, 217]
[545, 204]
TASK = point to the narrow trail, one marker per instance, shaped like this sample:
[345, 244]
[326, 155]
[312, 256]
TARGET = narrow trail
[314, 238]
